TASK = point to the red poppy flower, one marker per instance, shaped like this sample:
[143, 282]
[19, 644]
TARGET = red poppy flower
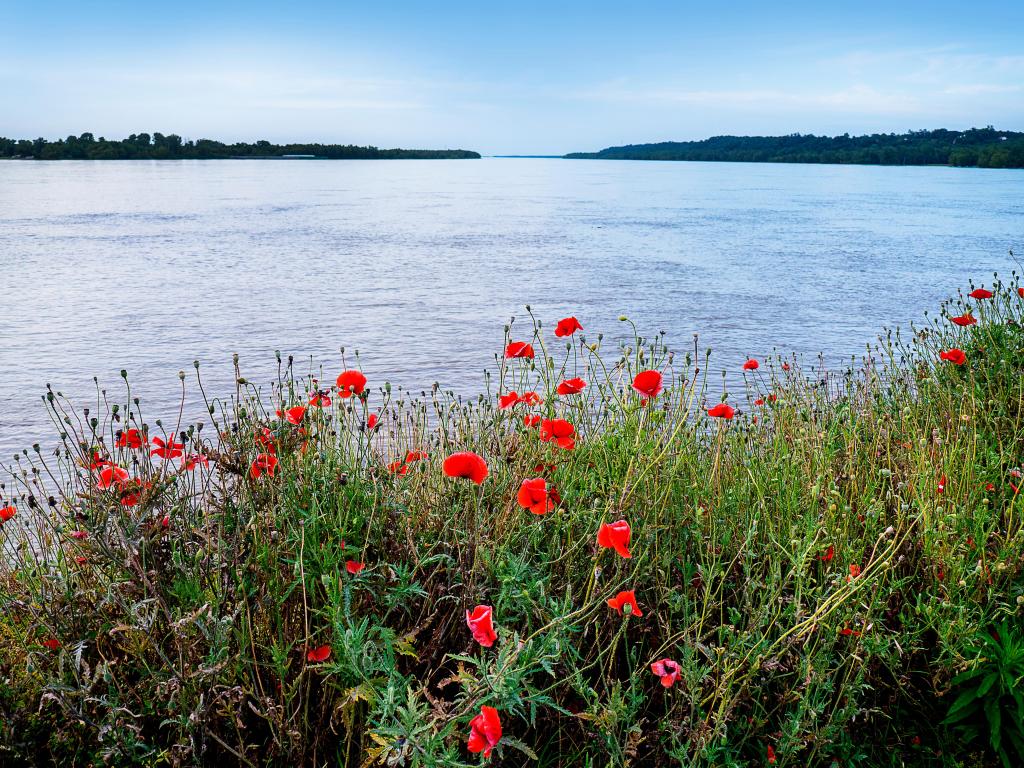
[571, 386]
[323, 653]
[1020, 292]
[354, 566]
[955, 356]
[319, 400]
[111, 475]
[534, 496]
[567, 326]
[615, 536]
[558, 430]
[942, 485]
[398, 467]
[371, 421]
[648, 383]
[531, 421]
[751, 365]
[81, 560]
[263, 464]
[481, 623]
[989, 487]
[52, 644]
[669, 671]
[295, 415]
[265, 438]
[980, 293]
[79, 535]
[412, 456]
[530, 398]
[130, 438]
[484, 731]
[98, 462]
[6, 513]
[519, 349]
[193, 460]
[829, 554]
[759, 401]
[847, 632]
[772, 398]
[785, 366]
[507, 401]
[722, 411]
[351, 383]
[627, 597]
[854, 570]
[165, 521]
[964, 320]
[167, 450]
[131, 495]
[466, 464]
[771, 755]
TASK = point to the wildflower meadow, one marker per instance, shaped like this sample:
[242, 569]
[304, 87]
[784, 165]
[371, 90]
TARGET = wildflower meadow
[609, 557]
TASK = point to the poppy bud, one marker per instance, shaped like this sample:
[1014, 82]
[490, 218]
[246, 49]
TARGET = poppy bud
[623, 318]
[124, 374]
[181, 375]
[195, 364]
[241, 380]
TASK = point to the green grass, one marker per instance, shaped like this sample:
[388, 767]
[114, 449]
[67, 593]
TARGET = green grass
[186, 644]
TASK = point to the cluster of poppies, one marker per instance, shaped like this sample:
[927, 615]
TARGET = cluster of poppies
[112, 477]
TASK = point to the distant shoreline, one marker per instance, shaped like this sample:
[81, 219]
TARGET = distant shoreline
[974, 148]
[143, 146]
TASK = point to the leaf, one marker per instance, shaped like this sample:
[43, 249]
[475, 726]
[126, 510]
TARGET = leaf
[517, 744]
[963, 707]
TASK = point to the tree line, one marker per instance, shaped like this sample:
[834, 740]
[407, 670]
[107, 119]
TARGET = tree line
[143, 146]
[977, 147]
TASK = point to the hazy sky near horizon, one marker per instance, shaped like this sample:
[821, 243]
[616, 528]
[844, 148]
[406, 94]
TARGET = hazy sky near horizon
[521, 77]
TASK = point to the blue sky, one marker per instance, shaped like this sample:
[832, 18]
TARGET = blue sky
[509, 78]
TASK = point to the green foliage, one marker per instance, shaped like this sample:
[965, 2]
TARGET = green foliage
[977, 147]
[142, 146]
[989, 706]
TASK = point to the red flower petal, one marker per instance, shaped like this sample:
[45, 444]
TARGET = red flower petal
[571, 386]
[615, 536]
[322, 653]
[354, 566]
[955, 356]
[466, 464]
[567, 326]
[624, 598]
[351, 383]
[263, 464]
[980, 293]
[481, 623]
[534, 496]
[751, 365]
[484, 731]
[519, 349]
[722, 411]
[648, 383]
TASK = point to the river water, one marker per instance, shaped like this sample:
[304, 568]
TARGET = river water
[149, 265]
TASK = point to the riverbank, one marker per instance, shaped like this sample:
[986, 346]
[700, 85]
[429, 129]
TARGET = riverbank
[607, 558]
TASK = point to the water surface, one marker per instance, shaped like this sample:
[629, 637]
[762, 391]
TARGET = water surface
[149, 265]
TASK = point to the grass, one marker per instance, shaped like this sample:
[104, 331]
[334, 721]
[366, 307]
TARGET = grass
[821, 566]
